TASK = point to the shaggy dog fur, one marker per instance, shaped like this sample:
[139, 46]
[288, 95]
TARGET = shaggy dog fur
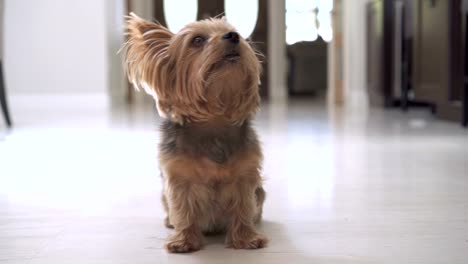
[204, 80]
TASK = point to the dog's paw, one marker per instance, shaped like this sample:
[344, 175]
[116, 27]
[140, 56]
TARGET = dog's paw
[182, 246]
[254, 242]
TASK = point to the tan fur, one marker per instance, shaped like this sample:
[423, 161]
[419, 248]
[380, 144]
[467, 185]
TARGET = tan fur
[185, 81]
[198, 87]
[215, 196]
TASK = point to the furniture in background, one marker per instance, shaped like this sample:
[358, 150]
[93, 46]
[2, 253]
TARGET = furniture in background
[379, 42]
[465, 71]
[403, 58]
[407, 63]
[438, 65]
[3, 100]
[465, 105]
[307, 67]
[374, 47]
[389, 54]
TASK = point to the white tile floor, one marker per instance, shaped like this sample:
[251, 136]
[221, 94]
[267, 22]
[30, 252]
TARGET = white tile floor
[79, 184]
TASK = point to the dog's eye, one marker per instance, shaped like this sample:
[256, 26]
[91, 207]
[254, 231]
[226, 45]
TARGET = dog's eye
[198, 41]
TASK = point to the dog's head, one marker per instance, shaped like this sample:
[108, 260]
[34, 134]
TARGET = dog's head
[206, 71]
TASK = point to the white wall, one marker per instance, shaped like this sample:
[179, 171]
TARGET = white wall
[354, 53]
[277, 61]
[56, 46]
[69, 46]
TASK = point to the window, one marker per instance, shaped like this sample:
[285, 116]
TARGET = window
[242, 14]
[178, 13]
[308, 19]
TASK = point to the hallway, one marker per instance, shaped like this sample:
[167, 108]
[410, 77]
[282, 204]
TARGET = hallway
[79, 184]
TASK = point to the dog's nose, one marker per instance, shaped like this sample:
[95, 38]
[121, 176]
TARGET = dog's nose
[232, 37]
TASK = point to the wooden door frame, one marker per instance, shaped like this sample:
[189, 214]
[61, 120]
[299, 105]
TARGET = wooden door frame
[335, 57]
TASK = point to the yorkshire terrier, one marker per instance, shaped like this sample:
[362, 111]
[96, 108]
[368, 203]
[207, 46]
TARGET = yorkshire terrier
[204, 80]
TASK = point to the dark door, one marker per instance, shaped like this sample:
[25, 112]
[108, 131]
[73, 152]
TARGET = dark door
[437, 54]
[375, 60]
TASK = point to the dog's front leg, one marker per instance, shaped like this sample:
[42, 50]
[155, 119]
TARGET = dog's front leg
[186, 206]
[241, 231]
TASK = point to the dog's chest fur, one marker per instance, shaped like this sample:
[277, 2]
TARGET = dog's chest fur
[216, 164]
[218, 144]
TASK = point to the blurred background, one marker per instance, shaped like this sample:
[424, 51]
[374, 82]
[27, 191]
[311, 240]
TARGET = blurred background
[381, 53]
[362, 123]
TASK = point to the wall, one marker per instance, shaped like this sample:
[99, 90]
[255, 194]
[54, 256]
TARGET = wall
[56, 46]
[67, 46]
[277, 50]
[354, 53]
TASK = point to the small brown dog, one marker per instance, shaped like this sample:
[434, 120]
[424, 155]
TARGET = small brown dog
[204, 80]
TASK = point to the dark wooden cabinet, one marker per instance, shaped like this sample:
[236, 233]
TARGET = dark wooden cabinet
[438, 56]
[416, 51]
[379, 44]
[375, 51]
[303, 58]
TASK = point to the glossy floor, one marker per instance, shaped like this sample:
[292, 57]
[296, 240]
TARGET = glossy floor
[79, 184]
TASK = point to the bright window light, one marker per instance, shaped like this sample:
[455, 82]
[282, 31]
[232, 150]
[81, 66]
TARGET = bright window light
[242, 14]
[325, 25]
[307, 19]
[178, 13]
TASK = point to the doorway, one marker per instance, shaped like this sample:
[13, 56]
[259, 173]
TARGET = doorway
[308, 34]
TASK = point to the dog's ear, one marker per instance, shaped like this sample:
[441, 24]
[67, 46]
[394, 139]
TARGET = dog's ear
[138, 27]
[146, 57]
[147, 43]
